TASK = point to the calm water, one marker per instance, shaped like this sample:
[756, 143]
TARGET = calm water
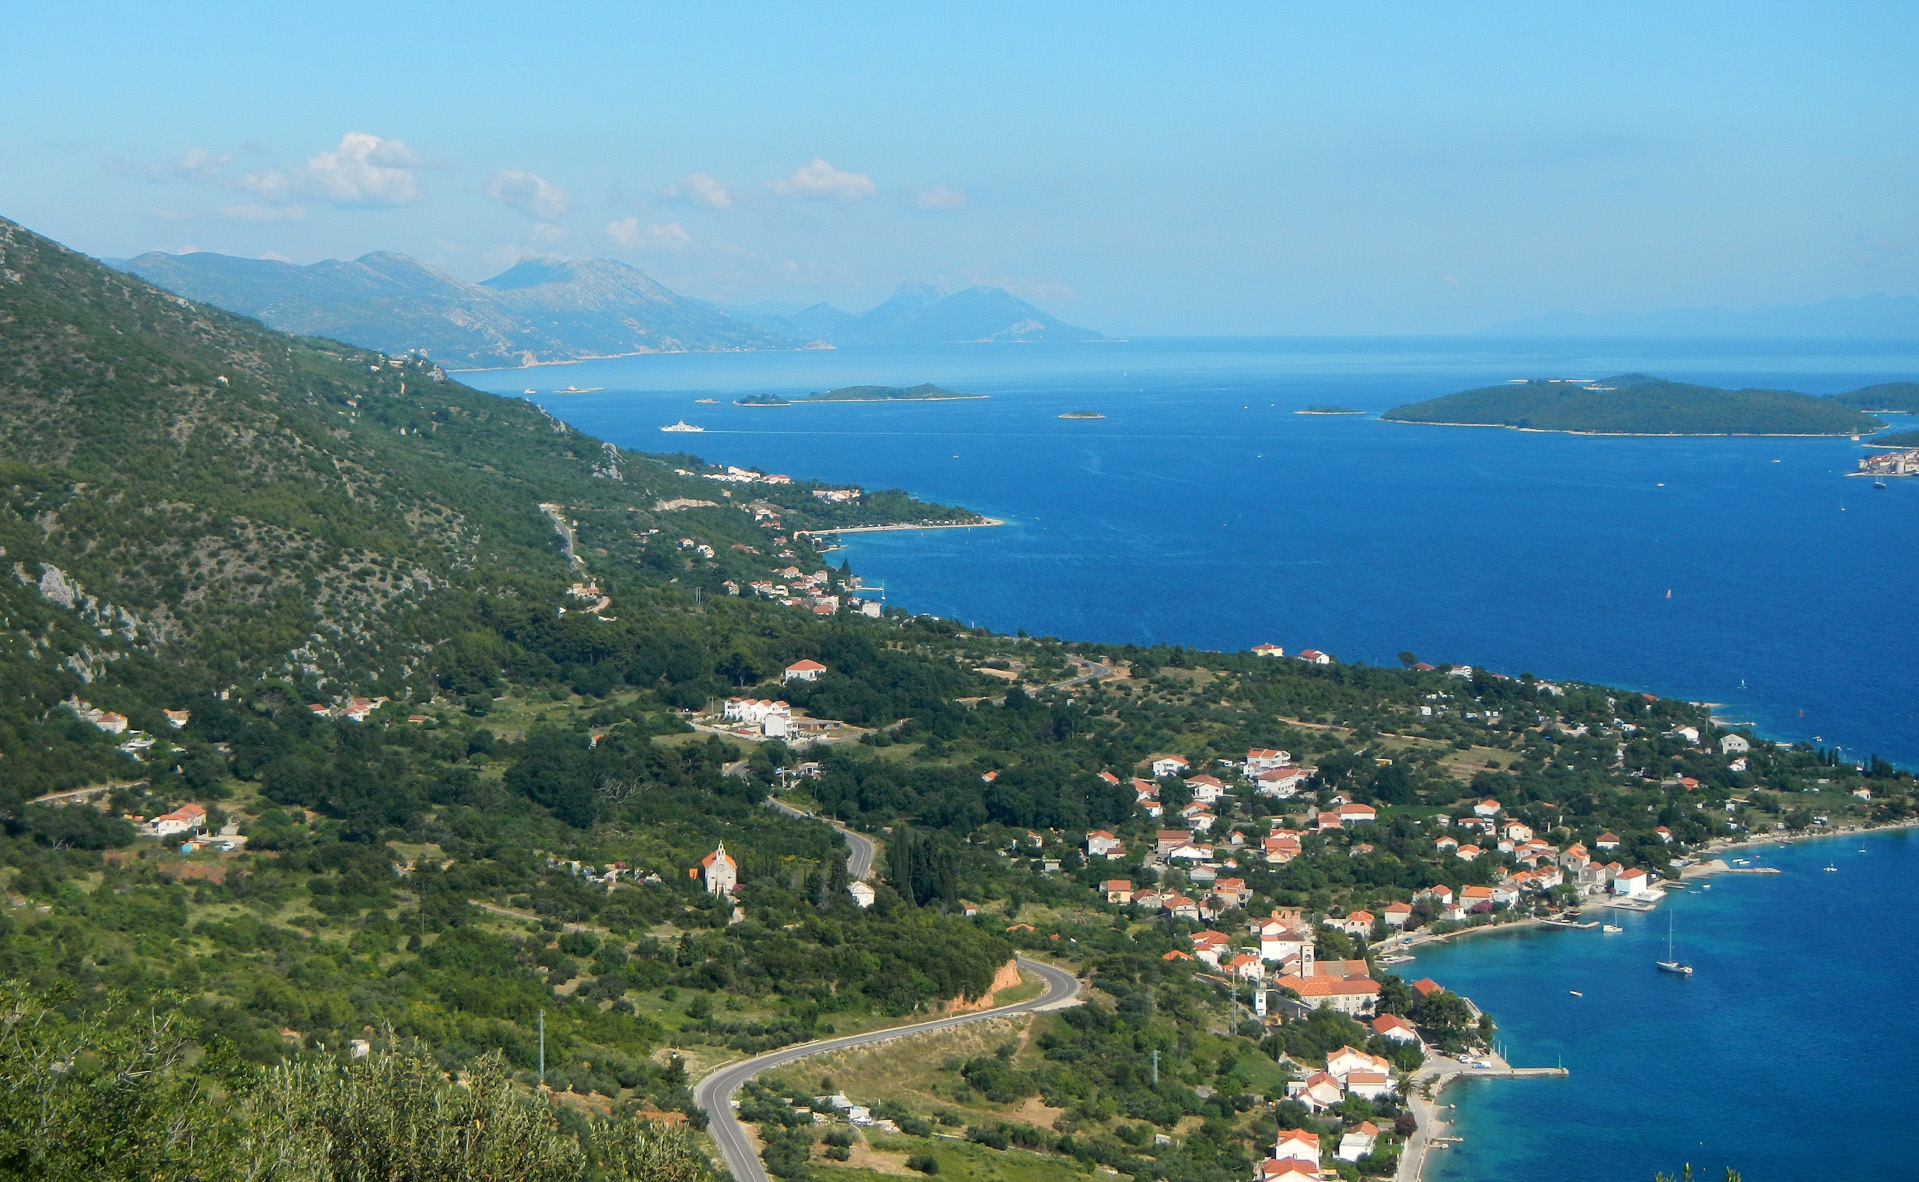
[1783, 1056]
[1203, 511]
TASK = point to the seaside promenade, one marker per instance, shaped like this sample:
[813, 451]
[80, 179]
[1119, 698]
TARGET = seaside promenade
[1423, 1092]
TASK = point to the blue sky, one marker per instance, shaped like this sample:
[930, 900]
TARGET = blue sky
[1143, 168]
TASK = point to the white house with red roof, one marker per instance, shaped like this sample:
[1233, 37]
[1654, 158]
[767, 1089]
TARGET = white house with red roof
[1357, 1142]
[1318, 1091]
[1357, 923]
[1486, 808]
[1101, 844]
[1118, 890]
[188, 818]
[1630, 884]
[1288, 1169]
[1297, 1145]
[805, 670]
[1354, 813]
[1467, 853]
[1313, 656]
[1167, 765]
[1397, 915]
[1348, 995]
[1266, 759]
[1606, 841]
[1281, 847]
[1280, 782]
[1395, 1027]
[1268, 650]
[1206, 789]
[1246, 967]
[1211, 947]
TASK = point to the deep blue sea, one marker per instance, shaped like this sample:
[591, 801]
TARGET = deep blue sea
[1203, 511]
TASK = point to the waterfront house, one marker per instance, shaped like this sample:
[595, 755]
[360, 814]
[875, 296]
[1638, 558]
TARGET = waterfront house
[1347, 1059]
[1167, 765]
[1297, 1145]
[1507, 893]
[1359, 1142]
[1397, 915]
[1472, 896]
[1394, 1027]
[1118, 890]
[1313, 656]
[1630, 884]
[1440, 895]
[1547, 877]
[1426, 987]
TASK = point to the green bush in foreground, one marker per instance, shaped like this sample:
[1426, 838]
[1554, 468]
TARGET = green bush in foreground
[111, 1094]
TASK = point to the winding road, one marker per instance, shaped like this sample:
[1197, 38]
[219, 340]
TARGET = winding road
[715, 1091]
[859, 847]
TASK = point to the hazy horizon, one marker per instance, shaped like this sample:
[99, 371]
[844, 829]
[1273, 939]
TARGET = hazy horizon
[1245, 170]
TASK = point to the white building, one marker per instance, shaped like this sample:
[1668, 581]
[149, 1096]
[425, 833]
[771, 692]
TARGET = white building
[718, 872]
[862, 894]
[803, 671]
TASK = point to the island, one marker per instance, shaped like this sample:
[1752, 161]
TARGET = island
[1887, 396]
[1082, 414]
[1329, 410]
[1638, 404]
[761, 400]
[1896, 440]
[924, 392]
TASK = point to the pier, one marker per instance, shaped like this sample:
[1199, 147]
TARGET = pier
[1422, 1092]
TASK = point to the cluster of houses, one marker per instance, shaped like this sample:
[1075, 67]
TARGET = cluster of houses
[1296, 1153]
[736, 475]
[134, 742]
[1891, 463]
[810, 591]
[1311, 656]
[353, 710]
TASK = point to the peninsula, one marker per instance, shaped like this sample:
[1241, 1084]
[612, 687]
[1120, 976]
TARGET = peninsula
[1640, 404]
[1329, 410]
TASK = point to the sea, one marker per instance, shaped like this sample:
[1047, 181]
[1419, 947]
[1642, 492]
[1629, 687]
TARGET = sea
[1203, 509]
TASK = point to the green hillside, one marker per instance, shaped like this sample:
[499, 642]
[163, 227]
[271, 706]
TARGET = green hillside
[442, 675]
[1894, 396]
[1638, 404]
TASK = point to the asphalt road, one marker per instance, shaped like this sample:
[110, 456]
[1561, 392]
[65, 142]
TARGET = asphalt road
[859, 847]
[714, 1092]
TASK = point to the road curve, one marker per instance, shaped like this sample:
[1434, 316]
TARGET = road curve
[859, 847]
[714, 1092]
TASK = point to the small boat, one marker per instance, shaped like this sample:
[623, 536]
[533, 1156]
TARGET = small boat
[1878, 484]
[527, 391]
[682, 426]
[1831, 868]
[1575, 993]
[1612, 929]
[1672, 964]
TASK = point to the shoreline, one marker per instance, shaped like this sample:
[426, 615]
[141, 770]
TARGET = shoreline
[1635, 434]
[880, 529]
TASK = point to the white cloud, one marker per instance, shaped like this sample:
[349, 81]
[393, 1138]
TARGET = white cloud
[253, 212]
[198, 164]
[697, 188]
[940, 197]
[530, 193]
[546, 234]
[363, 170]
[629, 233]
[820, 179]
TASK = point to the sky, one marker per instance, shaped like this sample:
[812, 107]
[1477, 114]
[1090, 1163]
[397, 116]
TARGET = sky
[1227, 168]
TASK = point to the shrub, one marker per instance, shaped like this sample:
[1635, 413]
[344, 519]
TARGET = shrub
[925, 1163]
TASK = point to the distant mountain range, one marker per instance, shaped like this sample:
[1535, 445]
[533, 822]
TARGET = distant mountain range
[547, 310]
[921, 314]
[536, 311]
[1876, 317]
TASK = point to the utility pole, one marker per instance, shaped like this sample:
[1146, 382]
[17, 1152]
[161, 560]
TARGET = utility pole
[542, 1048]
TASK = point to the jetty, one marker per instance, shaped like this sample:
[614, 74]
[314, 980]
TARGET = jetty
[1422, 1092]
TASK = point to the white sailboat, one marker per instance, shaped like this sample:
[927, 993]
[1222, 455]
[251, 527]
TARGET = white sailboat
[1672, 964]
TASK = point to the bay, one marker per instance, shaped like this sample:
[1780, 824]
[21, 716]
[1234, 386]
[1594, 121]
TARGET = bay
[1203, 511]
